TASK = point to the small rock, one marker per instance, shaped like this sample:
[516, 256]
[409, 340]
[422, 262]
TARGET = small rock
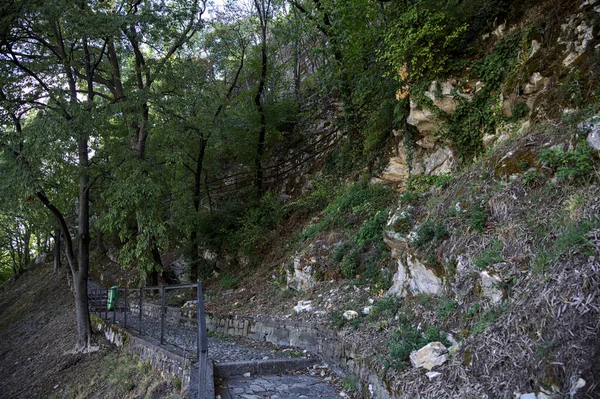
[303, 306]
[371, 301]
[429, 356]
[433, 375]
[247, 375]
[367, 309]
[580, 383]
[350, 314]
[528, 396]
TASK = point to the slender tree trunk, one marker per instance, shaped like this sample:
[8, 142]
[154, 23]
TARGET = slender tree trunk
[26, 248]
[194, 256]
[56, 250]
[263, 12]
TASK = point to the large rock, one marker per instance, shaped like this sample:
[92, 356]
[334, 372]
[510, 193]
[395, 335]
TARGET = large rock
[422, 118]
[445, 97]
[592, 128]
[397, 170]
[300, 278]
[440, 162]
[430, 356]
[414, 277]
[490, 286]
[576, 36]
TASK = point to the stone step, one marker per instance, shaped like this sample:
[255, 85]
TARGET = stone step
[262, 367]
[275, 387]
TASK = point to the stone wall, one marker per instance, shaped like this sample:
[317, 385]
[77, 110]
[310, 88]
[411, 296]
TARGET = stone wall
[307, 336]
[165, 360]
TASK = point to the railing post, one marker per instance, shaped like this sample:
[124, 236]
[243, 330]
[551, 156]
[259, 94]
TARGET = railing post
[202, 340]
[162, 315]
[115, 305]
[125, 316]
[140, 315]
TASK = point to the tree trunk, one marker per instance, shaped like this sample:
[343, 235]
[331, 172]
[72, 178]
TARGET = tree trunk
[26, 248]
[56, 250]
[263, 13]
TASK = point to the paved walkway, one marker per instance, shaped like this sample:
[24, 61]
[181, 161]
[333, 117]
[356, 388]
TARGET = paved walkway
[297, 385]
[312, 382]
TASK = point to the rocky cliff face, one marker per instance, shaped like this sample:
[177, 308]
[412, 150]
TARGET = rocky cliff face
[506, 246]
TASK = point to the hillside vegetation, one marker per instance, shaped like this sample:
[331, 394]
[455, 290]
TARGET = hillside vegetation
[431, 165]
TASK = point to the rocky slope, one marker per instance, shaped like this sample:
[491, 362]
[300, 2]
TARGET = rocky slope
[498, 259]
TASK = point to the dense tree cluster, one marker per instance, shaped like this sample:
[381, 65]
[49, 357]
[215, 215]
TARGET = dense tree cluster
[165, 123]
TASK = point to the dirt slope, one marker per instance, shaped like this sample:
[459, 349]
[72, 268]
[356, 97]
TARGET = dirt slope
[37, 334]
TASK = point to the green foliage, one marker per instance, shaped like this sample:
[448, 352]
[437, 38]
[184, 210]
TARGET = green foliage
[337, 319]
[406, 339]
[490, 255]
[402, 224]
[372, 229]
[356, 202]
[350, 384]
[494, 67]
[430, 231]
[486, 318]
[320, 193]
[575, 164]
[573, 239]
[258, 224]
[385, 308]
[472, 119]
[478, 215]
[5, 273]
[424, 36]
[349, 264]
[422, 183]
[445, 308]
[227, 281]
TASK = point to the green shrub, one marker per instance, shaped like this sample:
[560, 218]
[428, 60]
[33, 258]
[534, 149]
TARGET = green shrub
[350, 384]
[573, 239]
[317, 197]
[372, 228]
[489, 256]
[227, 281]
[258, 224]
[576, 164]
[478, 216]
[349, 264]
[337, 319]
[428, 232]
[424, 36]
[407, 339]
[422, 183]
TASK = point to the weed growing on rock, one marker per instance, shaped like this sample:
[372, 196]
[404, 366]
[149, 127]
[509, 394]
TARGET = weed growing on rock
[407, 339]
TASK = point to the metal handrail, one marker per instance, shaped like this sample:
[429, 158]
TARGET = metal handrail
[201, 336]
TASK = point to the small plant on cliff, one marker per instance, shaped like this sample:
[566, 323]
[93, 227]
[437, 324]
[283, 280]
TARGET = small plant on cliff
[576, 164]
[428, 232]
[478, 216]
[407, 339]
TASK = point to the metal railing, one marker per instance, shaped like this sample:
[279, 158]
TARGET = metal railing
[145, 311]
